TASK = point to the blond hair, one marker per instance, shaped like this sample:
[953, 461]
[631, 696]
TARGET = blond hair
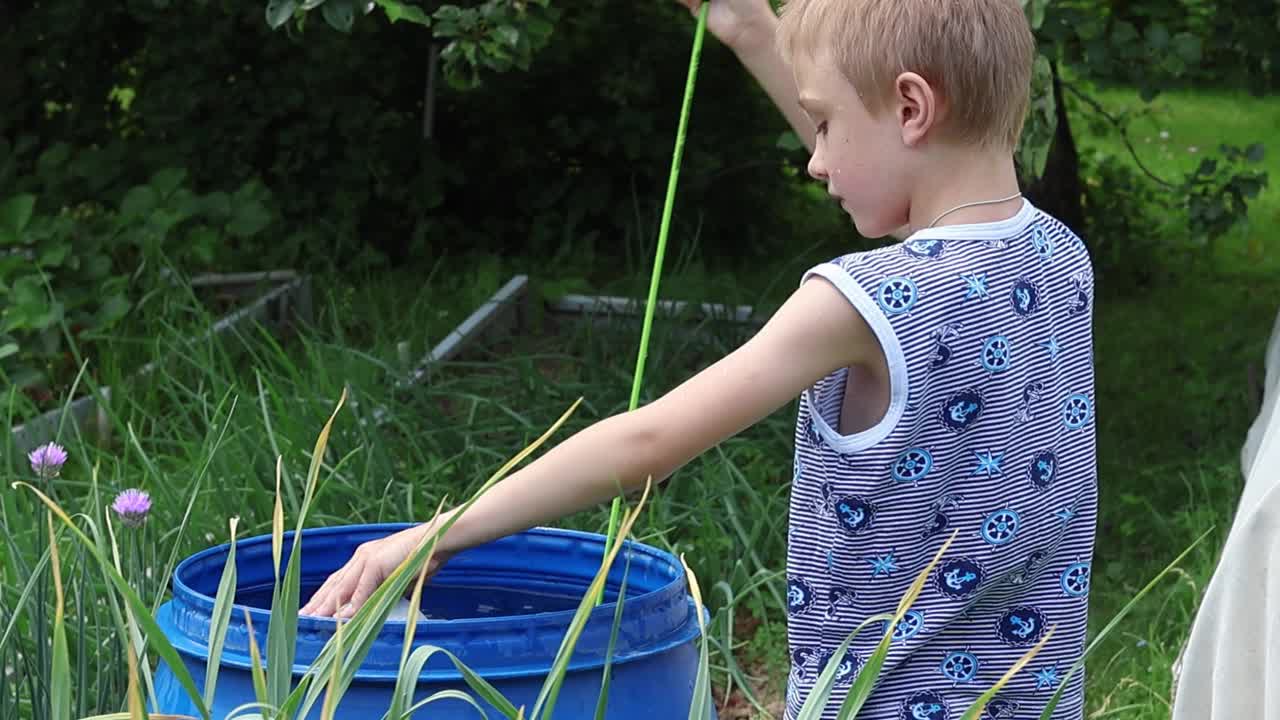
[977, 54]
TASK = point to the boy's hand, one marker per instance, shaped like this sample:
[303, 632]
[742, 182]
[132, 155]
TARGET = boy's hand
[740, 24]
[347, 589]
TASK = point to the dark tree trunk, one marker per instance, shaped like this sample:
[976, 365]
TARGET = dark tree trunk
[1059, 192]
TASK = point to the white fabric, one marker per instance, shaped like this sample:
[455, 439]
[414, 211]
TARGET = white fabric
[1230, 667]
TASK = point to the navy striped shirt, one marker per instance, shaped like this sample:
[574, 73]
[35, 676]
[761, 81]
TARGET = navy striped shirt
[987, 330]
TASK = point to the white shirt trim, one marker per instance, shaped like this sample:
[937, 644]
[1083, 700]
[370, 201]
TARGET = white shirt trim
[898, 385]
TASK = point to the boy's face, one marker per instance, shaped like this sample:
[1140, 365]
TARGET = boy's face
[861, 158]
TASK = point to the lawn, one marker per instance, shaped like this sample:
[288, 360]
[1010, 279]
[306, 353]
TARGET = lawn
[1175, 360]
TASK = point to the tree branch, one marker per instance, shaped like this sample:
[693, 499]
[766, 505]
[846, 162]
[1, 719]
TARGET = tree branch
[1124, 132]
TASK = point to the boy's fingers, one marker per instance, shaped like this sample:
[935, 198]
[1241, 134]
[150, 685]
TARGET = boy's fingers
[365, 586]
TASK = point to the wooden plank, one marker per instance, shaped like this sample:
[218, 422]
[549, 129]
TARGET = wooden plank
[608, 304]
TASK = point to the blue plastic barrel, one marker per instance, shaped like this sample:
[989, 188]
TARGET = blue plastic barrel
[502, 608]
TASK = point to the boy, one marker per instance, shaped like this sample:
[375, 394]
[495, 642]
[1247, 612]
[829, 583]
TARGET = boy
[945, 383]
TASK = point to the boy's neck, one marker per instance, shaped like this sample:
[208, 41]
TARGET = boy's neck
[960, 177]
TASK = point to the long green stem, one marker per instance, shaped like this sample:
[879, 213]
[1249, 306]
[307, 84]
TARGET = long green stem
[698, 34]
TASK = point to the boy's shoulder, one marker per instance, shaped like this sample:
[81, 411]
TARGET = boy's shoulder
[1024, 259]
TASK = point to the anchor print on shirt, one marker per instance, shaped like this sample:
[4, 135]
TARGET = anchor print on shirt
[925, 705]
[800, 596]
[958, 578]
[1031, 394]
[943, 339]
[839, 597]
[1022, 625]
[1025, 297]
[940, 515]
[807, 663]
[1079, 294]
[1030, 568]
[1043, 469]
[960, 410]
[925, 249]
[1000, 709]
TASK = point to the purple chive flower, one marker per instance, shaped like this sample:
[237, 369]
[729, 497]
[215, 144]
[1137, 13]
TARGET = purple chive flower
[47, 460]
[132, 506]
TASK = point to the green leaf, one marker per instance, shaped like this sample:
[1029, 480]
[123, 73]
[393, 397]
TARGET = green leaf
[279, 12]
[1158, 37]
[340, 14]
[1188, 47]
[397, 11]
[138, 202]
[221, 618]
[8, 350]
[250, 218]
[166, 181]
[1035, 12]
[54, 254]
[15, 214]
[789, 141]
[113, 309]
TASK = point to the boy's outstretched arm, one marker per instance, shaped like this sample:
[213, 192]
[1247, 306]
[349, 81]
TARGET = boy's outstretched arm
[814, 333]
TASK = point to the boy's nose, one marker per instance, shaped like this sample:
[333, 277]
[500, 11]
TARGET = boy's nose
[817, 169]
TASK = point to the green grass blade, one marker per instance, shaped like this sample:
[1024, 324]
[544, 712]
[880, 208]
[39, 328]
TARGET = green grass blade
[546, 702]
[137, 709]
[870, 672]
[602, 702]
[975, 711]
[406, 682]
[154, 634]
[661, 249]
[1062, 687]
[282, 633]
[816, 702]
[60, 670]
[222, 603]
[255, 667]
[16, 611]
[412, 669]
[443, 695]
[700, 704]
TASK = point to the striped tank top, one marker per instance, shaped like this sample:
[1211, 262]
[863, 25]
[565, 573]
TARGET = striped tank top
[987, 330]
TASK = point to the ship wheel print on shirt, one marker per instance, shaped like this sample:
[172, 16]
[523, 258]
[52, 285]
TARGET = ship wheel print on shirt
[897, 295]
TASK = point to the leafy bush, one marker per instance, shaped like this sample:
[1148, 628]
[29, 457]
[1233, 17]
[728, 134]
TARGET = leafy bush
[74, 272]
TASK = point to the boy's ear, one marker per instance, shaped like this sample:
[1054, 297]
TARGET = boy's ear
[918, 107]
